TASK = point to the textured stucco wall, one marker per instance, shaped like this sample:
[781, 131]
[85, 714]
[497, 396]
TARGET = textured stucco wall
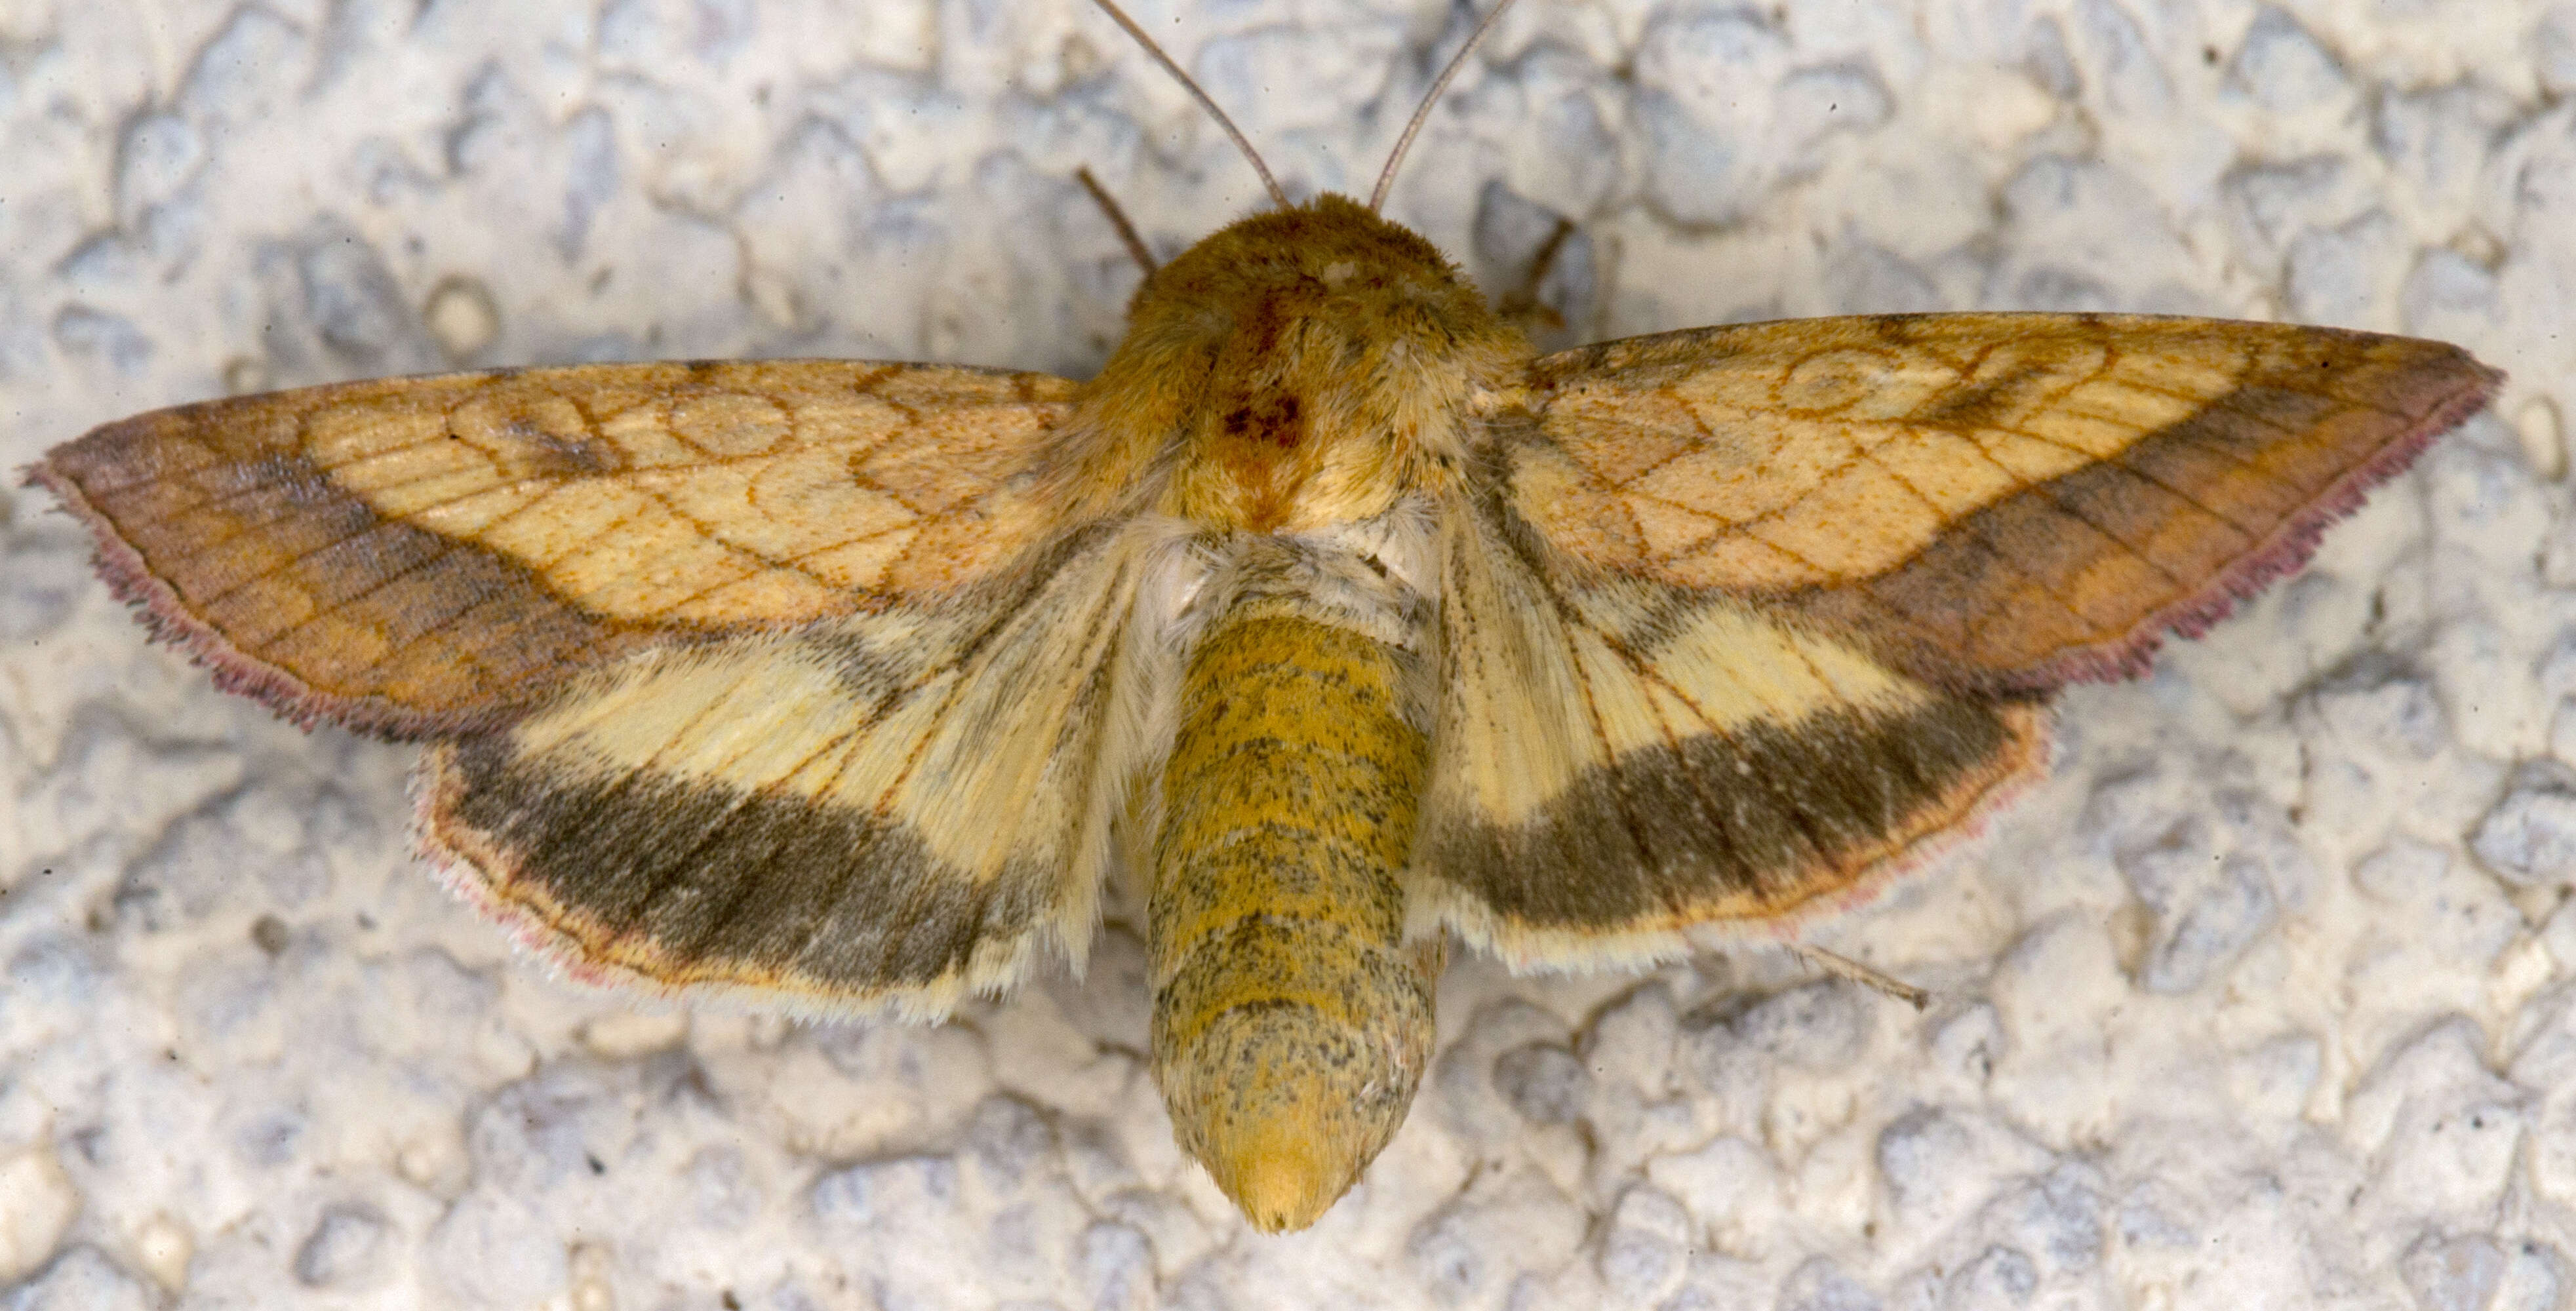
[2265, 1000]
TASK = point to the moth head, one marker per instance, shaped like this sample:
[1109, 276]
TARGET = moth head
[1305, 365]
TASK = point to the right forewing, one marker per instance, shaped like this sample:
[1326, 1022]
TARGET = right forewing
[1996, 500]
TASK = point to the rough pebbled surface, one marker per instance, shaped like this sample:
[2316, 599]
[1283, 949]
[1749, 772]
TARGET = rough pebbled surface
[2268, 998]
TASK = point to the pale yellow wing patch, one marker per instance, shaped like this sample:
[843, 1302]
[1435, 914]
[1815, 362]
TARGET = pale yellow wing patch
[1562, 671]
[878, 811]
[1620, 762]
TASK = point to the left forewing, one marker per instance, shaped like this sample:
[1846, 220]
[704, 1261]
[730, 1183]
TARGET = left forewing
[433, 556]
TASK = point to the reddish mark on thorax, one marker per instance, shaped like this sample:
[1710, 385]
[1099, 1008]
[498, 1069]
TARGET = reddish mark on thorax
[1272, 419]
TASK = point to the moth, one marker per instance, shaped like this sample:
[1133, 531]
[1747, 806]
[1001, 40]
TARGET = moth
[1348, 622]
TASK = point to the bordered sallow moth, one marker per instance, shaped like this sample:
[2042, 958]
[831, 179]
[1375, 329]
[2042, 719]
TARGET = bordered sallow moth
[1350, 622]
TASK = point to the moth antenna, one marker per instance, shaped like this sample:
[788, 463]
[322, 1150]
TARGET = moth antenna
[1386, 176]
[1277, 195]
[1100, 196]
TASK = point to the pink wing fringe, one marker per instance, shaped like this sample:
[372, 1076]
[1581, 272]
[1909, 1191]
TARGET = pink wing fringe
[2288, 547]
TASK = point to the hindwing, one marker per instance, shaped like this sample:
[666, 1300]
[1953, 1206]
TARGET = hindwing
[1621, 762]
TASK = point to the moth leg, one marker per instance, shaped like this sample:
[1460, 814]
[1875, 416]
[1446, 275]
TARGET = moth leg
[1117, 219]
[1521, 305]
[1844, 967]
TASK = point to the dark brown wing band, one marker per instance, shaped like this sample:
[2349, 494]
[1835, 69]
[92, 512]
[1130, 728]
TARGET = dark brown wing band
[242, 552]
[2080, 577]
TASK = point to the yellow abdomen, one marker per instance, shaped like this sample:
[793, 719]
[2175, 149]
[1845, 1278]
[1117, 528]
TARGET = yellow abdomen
[1291, 1023]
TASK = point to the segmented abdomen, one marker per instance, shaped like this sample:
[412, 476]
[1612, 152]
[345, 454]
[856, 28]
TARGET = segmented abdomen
[1291, 1024]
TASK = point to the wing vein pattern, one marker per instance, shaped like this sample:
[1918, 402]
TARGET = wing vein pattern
[1781, 603]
